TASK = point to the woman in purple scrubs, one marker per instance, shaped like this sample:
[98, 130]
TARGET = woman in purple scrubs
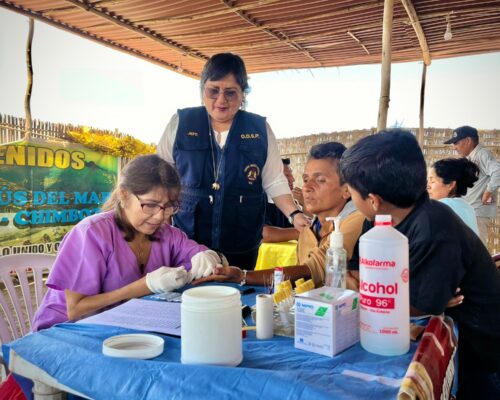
[128, 250]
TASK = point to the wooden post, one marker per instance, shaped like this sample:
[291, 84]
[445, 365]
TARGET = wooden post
[420, 136]
[27, 97]
[385, 88]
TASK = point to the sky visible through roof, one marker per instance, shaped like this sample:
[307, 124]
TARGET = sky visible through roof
[80, 82]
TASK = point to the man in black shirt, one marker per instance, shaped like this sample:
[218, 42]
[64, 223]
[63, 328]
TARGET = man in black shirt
[386, 174]
[277, 228]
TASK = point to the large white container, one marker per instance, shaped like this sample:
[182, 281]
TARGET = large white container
[384, 289]
[211, 326]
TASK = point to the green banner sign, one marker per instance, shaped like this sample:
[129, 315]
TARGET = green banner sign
[45, 189]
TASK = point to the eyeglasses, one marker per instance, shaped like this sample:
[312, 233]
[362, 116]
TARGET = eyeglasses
[153, 208]
[214, 93]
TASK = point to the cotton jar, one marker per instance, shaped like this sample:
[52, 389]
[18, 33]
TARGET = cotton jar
[211, 326]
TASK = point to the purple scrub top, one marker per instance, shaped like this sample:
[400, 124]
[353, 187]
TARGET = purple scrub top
[94, 258]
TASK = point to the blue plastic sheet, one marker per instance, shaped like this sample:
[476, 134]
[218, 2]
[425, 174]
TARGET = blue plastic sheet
[271, 369]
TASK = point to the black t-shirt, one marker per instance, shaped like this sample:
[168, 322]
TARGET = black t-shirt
[274, 217]
[446, 254]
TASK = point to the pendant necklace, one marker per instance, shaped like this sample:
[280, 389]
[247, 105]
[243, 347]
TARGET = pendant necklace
[216, 184]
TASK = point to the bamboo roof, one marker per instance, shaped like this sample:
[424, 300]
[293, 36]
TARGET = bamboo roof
[274, 34]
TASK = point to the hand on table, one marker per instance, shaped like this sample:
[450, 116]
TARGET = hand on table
[166, 279]
[222, 274]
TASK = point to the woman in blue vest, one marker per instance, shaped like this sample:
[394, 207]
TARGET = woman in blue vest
[228, 161]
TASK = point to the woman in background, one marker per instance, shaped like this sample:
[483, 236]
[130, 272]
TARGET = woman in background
[448, 180]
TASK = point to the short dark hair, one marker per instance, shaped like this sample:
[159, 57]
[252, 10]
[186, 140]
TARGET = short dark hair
[459, 170]
[332, 150]
[285, 161]
[389, 164]
[140, 176]
[327, 150]
[222, 64]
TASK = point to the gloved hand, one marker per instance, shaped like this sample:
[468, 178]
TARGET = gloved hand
[203, 264]
[166, 279]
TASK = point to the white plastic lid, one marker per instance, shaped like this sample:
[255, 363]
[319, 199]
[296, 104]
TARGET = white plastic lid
[211, 298]
[383, 220]
[135, 345]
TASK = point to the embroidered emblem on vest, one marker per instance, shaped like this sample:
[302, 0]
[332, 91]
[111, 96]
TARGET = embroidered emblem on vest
[252, 172]
[249, 135]
[191, 133]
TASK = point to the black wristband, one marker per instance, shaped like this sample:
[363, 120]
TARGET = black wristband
[293, 214]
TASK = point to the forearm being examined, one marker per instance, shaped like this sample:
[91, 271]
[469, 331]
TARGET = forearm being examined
[79, 305]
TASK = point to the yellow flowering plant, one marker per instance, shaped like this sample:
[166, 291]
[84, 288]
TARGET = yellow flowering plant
[113, 144]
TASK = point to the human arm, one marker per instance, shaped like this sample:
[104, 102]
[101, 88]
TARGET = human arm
[274, 234]
[286, 204]
[298, 196]
[162, 279]
[257, 278]
[165, 148]
[275, 184]
[79, 305]
[491, 167]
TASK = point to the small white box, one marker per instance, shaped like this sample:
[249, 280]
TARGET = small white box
[326, 320]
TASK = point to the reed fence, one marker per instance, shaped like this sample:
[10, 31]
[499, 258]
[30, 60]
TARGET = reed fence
[433, 148]
[12, 129]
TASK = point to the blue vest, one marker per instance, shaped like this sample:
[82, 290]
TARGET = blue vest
[229, 219]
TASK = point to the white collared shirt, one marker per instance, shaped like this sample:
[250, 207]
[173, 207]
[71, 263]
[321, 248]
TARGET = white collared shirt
[274, 181]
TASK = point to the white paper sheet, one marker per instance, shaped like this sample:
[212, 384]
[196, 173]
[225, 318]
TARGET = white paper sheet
[144, 315]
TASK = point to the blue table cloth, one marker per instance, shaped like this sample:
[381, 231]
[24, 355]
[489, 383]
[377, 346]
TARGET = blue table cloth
[271, 369]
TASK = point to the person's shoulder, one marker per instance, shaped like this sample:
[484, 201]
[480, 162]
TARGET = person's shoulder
[191, 111]
[97, 225]
[169, 232]
[101, 219]
[482, 152]
[253, 116]
[355, 217]
[438, 224]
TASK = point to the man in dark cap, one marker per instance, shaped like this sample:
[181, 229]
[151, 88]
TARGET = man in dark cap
[483, 195]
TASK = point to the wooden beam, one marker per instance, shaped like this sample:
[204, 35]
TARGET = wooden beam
[280, 36]
[359, 41]
[27, 96]
[385, 85]
[420, 136]
[148, 33]
[415, 23]
[193, 16]
[95, 38]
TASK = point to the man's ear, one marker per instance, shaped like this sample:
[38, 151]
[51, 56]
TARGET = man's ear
[375, 201]
[344, 190]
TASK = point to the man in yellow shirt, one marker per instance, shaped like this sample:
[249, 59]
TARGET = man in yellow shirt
[325, 195]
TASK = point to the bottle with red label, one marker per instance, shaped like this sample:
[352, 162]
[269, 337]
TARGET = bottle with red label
[384, 289]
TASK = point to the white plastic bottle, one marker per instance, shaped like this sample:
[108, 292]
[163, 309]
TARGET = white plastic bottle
[336, 258]
[384, 289]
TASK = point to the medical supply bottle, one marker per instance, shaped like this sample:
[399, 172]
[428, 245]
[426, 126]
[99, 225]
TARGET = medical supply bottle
[336, 258]
[384, 289]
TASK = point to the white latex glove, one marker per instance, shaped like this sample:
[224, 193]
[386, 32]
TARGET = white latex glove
[203, 264]
[166, 279]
